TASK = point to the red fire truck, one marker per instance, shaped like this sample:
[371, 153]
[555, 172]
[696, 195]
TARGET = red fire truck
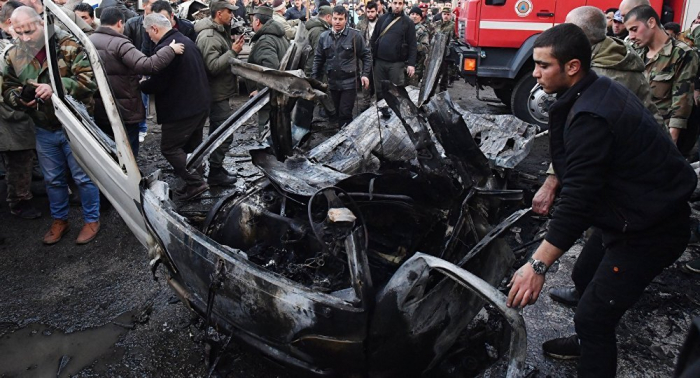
[496, 38]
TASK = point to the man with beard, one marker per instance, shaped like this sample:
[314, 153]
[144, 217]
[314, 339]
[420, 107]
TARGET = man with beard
[393, 46]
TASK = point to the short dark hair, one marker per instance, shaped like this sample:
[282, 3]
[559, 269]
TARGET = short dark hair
[263, 18]
[111, 16]
[643, 13]
[162, 5]
[371, 5]
[339, 9]
[85, 7]
[568, 42]
[672, 26]
[324, 2]
[611, 10]
[8, 8]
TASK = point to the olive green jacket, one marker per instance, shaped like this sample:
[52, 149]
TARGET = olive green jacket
[269, 46]
[214, 42]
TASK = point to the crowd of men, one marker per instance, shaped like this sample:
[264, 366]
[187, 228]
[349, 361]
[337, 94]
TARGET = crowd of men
[622, 130]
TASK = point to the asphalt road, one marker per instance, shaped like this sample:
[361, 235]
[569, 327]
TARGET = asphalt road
[96, 311]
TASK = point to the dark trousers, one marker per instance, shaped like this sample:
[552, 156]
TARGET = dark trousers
[391, 71]
[218, 114]
[18, 167]
[178, 139]
[132, 133]
[612, 272]
[344, 101]
[304, 113]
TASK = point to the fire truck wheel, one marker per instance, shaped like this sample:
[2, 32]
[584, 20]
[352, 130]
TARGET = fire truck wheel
[530, 103]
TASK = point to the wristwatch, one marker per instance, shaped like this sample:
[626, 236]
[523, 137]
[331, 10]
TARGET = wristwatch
[538, 266]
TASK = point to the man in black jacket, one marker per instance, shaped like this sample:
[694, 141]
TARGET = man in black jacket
[182, 102]
[185, 27]
[393, 47]
[338, 55]
[622, 174]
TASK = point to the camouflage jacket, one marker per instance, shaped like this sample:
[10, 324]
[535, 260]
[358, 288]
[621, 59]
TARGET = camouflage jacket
[429, 26]
[363, 27]
[23, 67]
[671, 74]
[447, 28]
[423, 46]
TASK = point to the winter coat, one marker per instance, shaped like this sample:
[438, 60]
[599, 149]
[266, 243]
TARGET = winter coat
[16, 128]
[398, 44]
[214, 42]
[23, 67]
[269, 47]
[315, 26]
[619, 170]
[123, 63]
[338, 57]
[289, 30]
[611, 58]
[181, 89]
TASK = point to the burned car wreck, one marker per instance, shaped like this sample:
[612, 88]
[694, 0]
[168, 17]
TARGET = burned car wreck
[367, 253]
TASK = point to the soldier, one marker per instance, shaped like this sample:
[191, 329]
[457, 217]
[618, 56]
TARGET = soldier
[671, 68]
[269, 47]
[427, 23]
[214, 43]
[446, 25]
[422, 45]
[26, 66]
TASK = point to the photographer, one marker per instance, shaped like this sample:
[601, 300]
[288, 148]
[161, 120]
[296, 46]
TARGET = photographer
[26, 87]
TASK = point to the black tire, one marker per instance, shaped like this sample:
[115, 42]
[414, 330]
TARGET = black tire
[531, 108]
[504, 94]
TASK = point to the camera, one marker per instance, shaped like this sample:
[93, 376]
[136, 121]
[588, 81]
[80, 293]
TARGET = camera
[28, 94]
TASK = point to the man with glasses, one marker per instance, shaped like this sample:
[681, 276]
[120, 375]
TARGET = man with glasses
[27, 87]
[394, 48]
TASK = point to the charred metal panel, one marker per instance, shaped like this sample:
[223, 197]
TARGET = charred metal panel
[297, 174]
[319, 333]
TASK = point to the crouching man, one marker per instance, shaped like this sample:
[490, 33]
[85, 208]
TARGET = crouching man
[27, 68]
[619, 172]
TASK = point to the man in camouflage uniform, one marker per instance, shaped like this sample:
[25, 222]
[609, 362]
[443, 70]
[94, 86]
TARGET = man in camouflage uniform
[422, 43]
[26, 67]
[447, 26]
[17, 143]
[427, 23]
[671, 67]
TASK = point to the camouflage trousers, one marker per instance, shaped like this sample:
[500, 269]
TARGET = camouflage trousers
[18, 167]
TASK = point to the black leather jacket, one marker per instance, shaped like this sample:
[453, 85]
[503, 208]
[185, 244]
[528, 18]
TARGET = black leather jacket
[343, 57]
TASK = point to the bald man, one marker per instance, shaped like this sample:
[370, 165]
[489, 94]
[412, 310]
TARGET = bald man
[628, 5]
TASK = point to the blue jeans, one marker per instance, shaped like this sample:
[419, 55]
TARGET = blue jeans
[55, 159]
[143, 127]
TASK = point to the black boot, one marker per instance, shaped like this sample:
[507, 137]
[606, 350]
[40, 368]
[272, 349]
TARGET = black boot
[565, 295]
[220, 177]
[565, 348]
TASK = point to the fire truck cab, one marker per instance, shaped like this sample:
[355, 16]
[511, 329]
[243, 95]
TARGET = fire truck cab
[496, 37]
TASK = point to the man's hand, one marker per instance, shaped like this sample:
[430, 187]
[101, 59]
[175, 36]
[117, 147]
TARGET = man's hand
[253, 94]
[525, 287]
[365, 82]
[410, 70]
[674, 134]
[238, 45]
[697, 97]
[544, 198]
[43, 91]
[179, 48]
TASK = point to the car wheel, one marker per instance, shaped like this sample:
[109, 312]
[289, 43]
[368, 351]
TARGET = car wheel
[530, 103]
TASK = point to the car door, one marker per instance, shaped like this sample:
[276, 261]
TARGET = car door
[110, 163]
